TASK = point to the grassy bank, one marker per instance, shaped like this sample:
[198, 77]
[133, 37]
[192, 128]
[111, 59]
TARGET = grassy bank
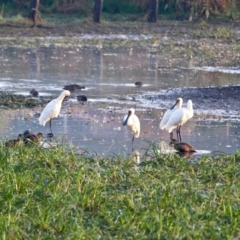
[57, 194]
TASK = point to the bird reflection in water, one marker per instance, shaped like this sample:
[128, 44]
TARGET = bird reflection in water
[185, 154]
[136, 157]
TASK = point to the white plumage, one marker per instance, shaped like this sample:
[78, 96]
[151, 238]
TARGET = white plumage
[169, 112]
[179, 117]
[133, 124]
[52, 109]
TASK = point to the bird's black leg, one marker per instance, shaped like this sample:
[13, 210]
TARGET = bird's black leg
[132, 142]
[171, 135]
[50, 123]
[50, 135]
[179, 138]
[179, 132]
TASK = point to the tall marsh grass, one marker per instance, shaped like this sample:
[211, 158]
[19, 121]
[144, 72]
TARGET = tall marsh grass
[57, 194]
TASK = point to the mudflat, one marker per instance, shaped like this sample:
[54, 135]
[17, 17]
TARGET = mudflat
[204, 43]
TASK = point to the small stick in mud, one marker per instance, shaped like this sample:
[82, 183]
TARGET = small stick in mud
[34, 11]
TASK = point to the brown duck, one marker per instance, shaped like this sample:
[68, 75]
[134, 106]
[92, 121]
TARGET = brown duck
[32, 138]
[14, 142]
[182, 146]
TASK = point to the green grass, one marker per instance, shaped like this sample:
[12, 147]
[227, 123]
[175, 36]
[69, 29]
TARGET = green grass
[57, 194]
[14, 19]
[11, 100]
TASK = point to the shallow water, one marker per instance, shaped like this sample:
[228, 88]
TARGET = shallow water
[109, 76]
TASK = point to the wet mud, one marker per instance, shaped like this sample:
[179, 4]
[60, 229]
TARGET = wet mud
[225, 99]
[213, 100]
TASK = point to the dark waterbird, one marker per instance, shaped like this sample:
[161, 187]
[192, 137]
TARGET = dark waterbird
[82, 98]
[32, 138]
[73, 87]
[27, 132]
[138, 84]
[14, 142]
[182, 146]
[34, 92]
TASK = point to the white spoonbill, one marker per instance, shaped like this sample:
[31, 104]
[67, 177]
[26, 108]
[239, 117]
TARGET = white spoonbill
[133, 124]
[178, 118]
[52, 109]
[168, 113]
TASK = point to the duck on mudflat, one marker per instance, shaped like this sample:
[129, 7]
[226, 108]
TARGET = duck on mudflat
[82, 98]
[138, 84]
[34, 92]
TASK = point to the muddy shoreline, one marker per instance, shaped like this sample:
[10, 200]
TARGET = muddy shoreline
[223, 101]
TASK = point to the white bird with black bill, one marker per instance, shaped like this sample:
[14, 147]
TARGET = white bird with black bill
[133, 124]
